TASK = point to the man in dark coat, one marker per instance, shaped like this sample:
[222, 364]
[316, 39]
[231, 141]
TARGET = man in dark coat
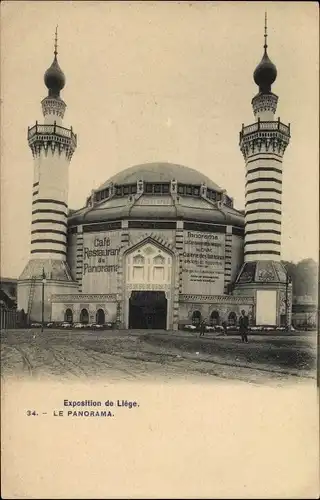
[243, 326]
[224, 326]
[202, 328]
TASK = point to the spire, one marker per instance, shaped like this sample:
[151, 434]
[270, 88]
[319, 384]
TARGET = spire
[54, 77]
[266, 72]
[56, 43]
[265, 33]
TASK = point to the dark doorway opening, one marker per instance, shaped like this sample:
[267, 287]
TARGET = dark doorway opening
[68, 316]
[100, 317]
[148, 310]
[84, 316]
[232, 319]
[215, 318]
[196, 318]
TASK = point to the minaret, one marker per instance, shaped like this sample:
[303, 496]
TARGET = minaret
[52, 147]
[263, 144]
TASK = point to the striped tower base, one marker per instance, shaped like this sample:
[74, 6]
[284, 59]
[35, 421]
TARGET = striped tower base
[263, 207]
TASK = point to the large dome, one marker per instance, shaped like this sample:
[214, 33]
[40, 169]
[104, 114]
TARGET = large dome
[160, 172]
[158, 191]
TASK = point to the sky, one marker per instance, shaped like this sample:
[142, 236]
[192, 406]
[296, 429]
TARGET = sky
[159, 81]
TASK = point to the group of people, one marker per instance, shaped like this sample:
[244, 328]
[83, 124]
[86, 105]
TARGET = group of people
[243, 327]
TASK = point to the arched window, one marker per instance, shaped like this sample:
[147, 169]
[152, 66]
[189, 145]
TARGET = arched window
[100, 317]
[232, 319]
[158, 268]
[84, 316]
[196, 318]
[138, 260]
[159, 260]
[215, 318]
[68, 316]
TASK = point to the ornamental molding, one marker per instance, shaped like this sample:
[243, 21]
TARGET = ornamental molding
[151, 238]
[217, 299]
[46, 139]
[258, 144]
[82, 298]
[148, 286]
[53, 107]
[264, 102]
[55, 145]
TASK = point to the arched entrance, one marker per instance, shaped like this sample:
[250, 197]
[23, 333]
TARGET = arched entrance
[68, 316]
[215, 318]
[232, 319]
[196, 318]
[84, 316]
[148, 310]
[100, 317]
[148, 286]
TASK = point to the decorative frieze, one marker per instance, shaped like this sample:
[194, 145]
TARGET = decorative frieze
[217, 299]
[264, 102]
[148, 286]
[79, 297]
[53, 106]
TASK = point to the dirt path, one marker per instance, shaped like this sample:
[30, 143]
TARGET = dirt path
[118, 356]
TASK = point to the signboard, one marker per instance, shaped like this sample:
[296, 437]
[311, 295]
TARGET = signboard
[266, 313]
[203, 263]
[100, 262]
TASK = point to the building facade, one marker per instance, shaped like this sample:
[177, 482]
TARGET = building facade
[159, 245]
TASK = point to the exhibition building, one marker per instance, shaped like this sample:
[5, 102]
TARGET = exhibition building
[158, 245]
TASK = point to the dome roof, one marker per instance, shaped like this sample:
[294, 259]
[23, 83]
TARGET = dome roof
[188, 203]
[265, 74]
[160, 172]
[54, 79]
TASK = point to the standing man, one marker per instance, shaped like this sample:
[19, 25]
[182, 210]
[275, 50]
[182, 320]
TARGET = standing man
[243, 326]
[202, 328]
[224, 326]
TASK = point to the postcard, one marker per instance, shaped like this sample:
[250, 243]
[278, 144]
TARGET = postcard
[159, 249]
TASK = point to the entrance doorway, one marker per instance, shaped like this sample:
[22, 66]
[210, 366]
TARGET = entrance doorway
[196, 318]
[215, 318]
[68, 316]
[148, 310]
[100, 317]
[84, 316]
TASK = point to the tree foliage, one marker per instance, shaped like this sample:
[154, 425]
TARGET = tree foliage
[304, 276]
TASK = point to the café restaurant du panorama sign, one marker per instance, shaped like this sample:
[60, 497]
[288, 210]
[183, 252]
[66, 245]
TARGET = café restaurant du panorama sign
[100, 253]
[203, 262]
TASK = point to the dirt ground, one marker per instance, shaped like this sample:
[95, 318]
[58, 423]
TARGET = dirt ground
[136, 355]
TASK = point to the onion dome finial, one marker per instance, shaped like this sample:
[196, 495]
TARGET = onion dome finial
[54, 77]
[265, 73]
